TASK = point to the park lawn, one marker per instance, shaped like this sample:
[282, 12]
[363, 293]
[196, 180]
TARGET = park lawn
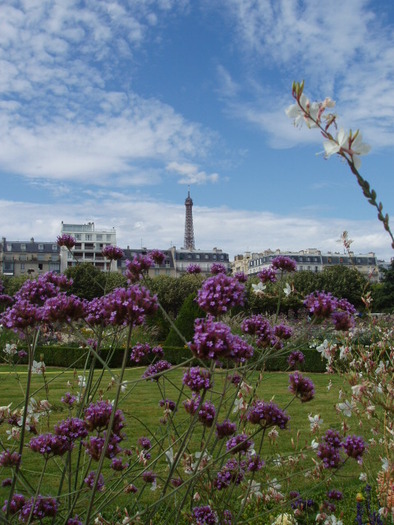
[140, 404]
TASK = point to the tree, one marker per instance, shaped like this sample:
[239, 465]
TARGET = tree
[188, 313]
[383, 294]
[344, 282]
[88, 281]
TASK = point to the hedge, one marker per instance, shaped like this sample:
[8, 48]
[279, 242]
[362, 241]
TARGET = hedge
[68, 356]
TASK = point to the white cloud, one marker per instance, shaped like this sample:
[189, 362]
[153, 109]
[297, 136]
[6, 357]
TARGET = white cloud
[190, 173]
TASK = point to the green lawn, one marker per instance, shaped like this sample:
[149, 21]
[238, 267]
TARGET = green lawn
[140, 404]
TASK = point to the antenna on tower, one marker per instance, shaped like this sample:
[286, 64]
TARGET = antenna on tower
[189, 243]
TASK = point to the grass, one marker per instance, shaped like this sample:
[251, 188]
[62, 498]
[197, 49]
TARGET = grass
[140, 404]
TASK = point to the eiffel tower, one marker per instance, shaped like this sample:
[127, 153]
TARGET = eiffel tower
[189, 230]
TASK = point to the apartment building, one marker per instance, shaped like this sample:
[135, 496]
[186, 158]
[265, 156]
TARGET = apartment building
[28, 257]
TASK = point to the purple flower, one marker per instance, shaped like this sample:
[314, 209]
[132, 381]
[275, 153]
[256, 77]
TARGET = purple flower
[17, 503]
[214, 340]
[197, 379]
[50, 445]
[63, 308]
[192, 404]
[94, 446]
[335, 495]
[68, 399]
[145, 443]
[206, 414]
[255, 463]
[97, 415]
[90, 479]
[148, 476]
[112, 252]
[217, 268]
[329, 449]
[220, 293]
[66, 240]
[72, 428]
[267, 275]
[225, 429]
[137, 267]
[295, 358]
[158, 368]
[22, 354]
[122, 307]
[139, 351]
[39, 509]
[239, 443]
[302, 387]
[232, 472]
[321, 304]
[283, 331]
[118, 465]
[193, 269]
[286, 264]
[354, 446]
[7, 482]
[9, 459]
[204, 516]
[157, 256]
[241, 277]
[343, 321]
[167, 404]
[258, 326]
[267, 415]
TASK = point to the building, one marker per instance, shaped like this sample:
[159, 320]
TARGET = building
[28, 257]
[313, 260]
[177, 262]
[89, 244]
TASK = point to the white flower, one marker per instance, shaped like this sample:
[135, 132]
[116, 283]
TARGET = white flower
[38, 367]
[284, 519]
[315, 422]
[287, 290]
[259, 288]
[305, 113]
[358, 147]
[346, 408]
[329, 386]
[81, 381]
[10, 349]
[380, 368]
[170, 456]
[333, 146]
[385, 464]
[363, 476]
[332, 520]
[314, 444]
[324, 349]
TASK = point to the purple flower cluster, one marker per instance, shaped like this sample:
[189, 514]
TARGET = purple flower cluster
[9, 459]
[112, 253]
[38, 509]
[295, 358]
[74, 521]
[153, 371]
[298, 503]
[97, 415]
[90, 478]
[286, 264]
[137, 267]
[329, 449]
[66, 240]
[267, 275]
[168, 404]
[217, 268]
[68, 399]
[214, 340]
[193, 269]
[265, 334]
[225, 429]
[157, 256]
[191, 405]
[354, 446]
[140, 350]
[118, 465]
[148, 476]
[50, 445]
[241, 277]
[232, 472]
[239, 443]
[197, 379]
[63, 308]
[145, 443]
[204, 516]
[302, 387]
[220, 293]
[335, 495]
[122, 307]
[255, 463]
[206, 414]
[324, 305]
[72, 428]
[267, 415]
[16, 504]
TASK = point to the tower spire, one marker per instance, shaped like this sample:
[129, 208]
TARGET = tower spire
[189, 230]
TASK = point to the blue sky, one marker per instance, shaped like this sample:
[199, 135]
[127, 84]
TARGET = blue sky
[109, 109]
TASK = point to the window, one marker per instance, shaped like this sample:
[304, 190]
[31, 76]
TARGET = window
[88, 237]
[23, 258]
[99, 237]
[40, 247]
[23, 247]
[109, 238]
[54, 247]
[40, 266]
[9, 247]
[22, 267]
[78, 237]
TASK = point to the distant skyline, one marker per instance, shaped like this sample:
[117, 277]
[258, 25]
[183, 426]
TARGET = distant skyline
[109, 109]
